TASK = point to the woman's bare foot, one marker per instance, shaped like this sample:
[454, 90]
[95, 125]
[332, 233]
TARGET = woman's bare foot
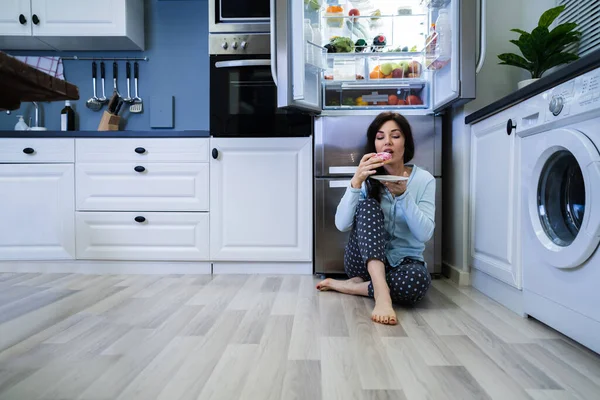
[383, 312]
[351, 286]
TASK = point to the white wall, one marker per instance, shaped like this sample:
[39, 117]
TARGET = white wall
[493, 82]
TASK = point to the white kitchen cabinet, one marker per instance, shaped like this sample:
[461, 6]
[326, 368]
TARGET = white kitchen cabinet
[143, 186]
[37, 212]
[72, 25]
[494, 197]
[261, 199]
[14, 17]
[142, 236]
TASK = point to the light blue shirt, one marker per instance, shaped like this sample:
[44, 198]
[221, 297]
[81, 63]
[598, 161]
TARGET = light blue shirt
[409, 219]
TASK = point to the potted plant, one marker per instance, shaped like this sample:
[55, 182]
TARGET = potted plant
[543, 49]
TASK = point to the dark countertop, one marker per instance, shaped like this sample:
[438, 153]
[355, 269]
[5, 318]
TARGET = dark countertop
[104, 134]
[567, 72]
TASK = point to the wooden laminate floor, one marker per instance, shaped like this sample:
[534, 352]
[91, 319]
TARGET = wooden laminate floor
[270, 337]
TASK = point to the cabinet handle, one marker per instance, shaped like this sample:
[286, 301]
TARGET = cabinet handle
[140, 219]
[28, 150]
[35, 19]
[22, 19]
[215, 153]
[139, 168]
[510, 127]
[140, 150]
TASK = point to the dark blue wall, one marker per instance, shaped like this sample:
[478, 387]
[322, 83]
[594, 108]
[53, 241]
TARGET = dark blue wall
[177, 47]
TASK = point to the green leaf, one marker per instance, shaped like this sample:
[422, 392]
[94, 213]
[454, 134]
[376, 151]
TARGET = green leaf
[556, 60]
[515, 61]
[562, 29]
[559, 44]
[550, 15]
[528, 48]
[522, 32]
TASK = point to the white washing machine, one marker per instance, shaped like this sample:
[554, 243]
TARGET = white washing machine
[560, 182]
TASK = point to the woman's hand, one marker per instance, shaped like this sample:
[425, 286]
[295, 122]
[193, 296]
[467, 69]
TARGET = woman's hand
[396, 188]
[367, 167]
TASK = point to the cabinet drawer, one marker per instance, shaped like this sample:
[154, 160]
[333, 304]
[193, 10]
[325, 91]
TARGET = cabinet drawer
[142, 149]
[157, 236]
[158, 187]
[37, 150]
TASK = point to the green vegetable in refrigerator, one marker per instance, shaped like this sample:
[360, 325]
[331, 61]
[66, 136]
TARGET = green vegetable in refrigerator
[375, 14]
[414, 49]
[313, 4]
[358, 29]
[342, 44]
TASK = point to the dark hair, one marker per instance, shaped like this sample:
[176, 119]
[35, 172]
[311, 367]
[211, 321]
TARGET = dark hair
[374, 187]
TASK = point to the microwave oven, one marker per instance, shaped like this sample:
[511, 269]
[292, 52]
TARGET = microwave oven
[239, 16]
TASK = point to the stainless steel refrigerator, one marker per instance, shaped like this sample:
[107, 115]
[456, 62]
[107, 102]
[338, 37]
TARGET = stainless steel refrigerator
[339, 145]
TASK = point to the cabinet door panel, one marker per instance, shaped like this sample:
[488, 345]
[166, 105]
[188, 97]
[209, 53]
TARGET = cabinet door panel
[37, 211]
[261, 200]
[10, 24]
[159, 187]
[494, 188]
[142, 236]
[80, 18]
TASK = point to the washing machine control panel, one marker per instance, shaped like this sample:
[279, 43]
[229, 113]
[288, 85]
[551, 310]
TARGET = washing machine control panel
[589, 91]
[576, 96]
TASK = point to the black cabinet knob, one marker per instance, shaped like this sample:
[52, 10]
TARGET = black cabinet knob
[140, 219]
[22, 19]
[140, 150]
[28, 150]
[510, 126]
[215, 153]
[139, 168]
[35, 19]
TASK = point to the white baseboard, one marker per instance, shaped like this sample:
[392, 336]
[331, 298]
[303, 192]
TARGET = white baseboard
[456, 275]
[276, 268]
[107, 267]
[508, 296]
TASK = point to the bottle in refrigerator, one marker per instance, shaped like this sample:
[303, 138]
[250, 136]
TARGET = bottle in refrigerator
[444, 30]
[308, 37]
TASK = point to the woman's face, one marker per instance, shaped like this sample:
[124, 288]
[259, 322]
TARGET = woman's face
[390, 139]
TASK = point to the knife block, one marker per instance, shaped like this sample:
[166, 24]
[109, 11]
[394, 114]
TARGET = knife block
[109, 122]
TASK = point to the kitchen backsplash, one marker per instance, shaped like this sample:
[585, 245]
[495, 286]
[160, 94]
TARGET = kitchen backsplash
[177, 48]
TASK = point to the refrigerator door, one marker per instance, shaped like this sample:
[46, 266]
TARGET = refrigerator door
[454, 83]
[298, 64]
[329, 241]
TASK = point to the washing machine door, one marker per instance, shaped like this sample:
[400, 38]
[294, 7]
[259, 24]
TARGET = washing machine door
[564, 197]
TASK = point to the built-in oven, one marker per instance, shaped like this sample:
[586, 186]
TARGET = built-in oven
[243, 94]
[239, 16]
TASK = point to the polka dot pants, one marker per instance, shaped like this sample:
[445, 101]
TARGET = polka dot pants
[408, 282]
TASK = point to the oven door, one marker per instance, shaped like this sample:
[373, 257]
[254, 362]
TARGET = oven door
[239, 16]
[243, 100]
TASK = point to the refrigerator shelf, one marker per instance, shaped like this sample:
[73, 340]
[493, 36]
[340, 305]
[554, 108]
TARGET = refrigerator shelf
[390, 83]
[382, 54]
[370, 17]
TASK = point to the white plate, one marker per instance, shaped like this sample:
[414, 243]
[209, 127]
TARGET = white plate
[389, 178]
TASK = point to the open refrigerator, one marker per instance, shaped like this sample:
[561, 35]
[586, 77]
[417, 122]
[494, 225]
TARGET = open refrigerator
[345, 61]
[411, 55]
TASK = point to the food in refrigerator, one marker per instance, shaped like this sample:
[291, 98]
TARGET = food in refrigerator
[439, 42]
[335, 16]
[390, 68]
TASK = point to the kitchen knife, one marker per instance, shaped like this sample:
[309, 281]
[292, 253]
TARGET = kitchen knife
[119, 106]
[112, 104]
